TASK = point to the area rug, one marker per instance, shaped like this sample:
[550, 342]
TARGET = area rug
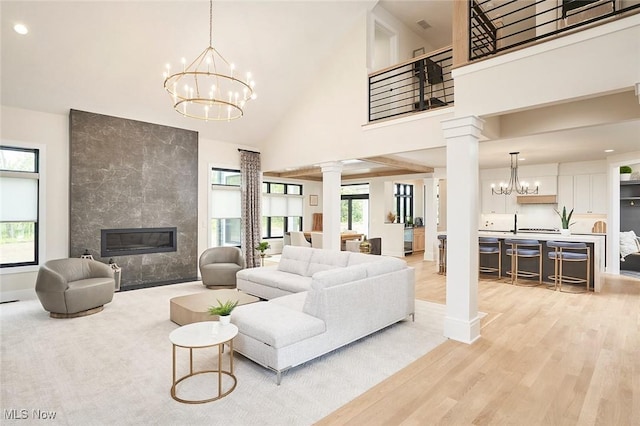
[115, 367]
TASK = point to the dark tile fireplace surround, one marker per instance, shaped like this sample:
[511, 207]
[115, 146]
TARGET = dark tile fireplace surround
[133, 197]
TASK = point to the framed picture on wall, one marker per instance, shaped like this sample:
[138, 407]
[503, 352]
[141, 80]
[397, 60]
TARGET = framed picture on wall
[418, 52]
[313, 200]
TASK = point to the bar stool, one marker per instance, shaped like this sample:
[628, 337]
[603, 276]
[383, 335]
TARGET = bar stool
[568, 252]
[490, 246]
[524, 249]
[442, 255]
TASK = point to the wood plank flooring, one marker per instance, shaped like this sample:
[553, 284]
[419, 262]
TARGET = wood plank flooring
[544, 358]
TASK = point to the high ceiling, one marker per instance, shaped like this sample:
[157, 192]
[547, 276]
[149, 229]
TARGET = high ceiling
[108, 57]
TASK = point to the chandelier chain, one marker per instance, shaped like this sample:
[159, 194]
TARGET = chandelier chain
[210, 22]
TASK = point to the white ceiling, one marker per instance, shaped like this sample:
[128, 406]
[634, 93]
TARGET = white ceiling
[108, 57]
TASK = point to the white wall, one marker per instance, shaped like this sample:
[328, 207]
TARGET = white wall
[52, 132]
[407, 39]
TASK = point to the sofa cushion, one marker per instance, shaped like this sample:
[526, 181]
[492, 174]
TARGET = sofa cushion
[360, 258]
[275, 325]
[295, 260]
[389, 264]
[272, 277]
[322, 260]
[331, 277]
[292, 301]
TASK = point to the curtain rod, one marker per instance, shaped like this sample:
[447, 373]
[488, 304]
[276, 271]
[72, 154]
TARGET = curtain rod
[246, 150]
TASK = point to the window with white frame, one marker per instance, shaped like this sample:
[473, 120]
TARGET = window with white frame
[282, 209]
[19, 200]
[225, 208]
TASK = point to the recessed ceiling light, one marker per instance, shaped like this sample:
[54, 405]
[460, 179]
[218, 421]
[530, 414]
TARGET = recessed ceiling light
[608, 150]
[521, 159]
[20, 29]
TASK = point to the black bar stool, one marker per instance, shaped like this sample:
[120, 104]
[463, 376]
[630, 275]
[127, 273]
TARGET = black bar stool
[524, 249]
[568, 252]
[442, 255]
[490, 246]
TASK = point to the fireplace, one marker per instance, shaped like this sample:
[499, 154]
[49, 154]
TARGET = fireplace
[125, 242]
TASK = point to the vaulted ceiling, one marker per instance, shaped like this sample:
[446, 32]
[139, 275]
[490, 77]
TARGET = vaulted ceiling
[108, 57]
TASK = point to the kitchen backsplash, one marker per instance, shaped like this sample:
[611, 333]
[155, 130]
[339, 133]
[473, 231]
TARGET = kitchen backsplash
[538, 216]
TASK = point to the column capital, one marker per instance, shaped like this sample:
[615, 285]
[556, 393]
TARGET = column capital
[462, 126]
[331, 166]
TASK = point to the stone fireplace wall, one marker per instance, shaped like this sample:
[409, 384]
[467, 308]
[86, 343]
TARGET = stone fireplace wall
[130, 174]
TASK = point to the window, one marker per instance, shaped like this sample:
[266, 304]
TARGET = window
[282, 207]
[354, 208]
[19, 201]
[404, 201]
[225, 208]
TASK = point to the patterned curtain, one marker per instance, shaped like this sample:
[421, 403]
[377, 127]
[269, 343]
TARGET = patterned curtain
[251, 195]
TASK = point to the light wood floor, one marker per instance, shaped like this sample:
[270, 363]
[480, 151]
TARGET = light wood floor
[544, 358]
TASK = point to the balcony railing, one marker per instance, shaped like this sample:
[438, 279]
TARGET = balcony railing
[421, 84]
[497, 26]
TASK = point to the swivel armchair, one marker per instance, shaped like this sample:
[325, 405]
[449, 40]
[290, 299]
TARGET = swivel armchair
[74, 287]
[219, 265]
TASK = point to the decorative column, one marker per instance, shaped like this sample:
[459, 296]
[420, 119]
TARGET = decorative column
[431, 218]
[462, 137]
[331, 181]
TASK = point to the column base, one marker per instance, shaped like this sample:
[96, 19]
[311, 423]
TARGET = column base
[461, 330]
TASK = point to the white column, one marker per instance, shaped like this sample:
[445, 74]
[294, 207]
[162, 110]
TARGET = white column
[431, 219]
[331, 181]
[462, 135]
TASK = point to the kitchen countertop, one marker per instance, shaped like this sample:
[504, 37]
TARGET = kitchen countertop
[546, 236]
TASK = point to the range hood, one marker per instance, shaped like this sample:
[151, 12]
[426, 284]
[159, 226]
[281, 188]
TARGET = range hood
[537, 199]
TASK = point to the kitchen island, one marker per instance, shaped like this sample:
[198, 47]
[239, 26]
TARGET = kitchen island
[594, 241]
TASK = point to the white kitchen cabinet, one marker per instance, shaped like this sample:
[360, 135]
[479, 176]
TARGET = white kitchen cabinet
[565, 192]
[586, 194]
[498, 204]
[590, 193]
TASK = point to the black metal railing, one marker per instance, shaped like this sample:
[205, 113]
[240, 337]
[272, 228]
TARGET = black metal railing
[419, 85]
[497, 26]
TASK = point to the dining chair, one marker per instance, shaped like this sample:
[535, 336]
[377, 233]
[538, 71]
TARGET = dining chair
[316, 240]
[298, 239]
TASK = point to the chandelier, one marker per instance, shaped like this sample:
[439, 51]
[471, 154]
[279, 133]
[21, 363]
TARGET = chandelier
[514, 183]
[207, 88]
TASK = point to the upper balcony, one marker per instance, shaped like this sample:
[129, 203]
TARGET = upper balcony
[482, 29]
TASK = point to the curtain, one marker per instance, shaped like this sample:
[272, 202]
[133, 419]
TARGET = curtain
[251, 195]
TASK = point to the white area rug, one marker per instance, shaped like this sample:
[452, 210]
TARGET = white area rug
[115, 367]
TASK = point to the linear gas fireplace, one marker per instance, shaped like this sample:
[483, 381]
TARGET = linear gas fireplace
[125, 242]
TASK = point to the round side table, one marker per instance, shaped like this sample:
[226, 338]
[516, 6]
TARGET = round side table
[204, 335]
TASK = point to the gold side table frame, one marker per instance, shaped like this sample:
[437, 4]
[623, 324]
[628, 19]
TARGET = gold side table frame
[201, 335]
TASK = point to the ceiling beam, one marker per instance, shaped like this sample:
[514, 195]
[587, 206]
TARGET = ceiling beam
[381, 173]
[399, 164]
[305, 174]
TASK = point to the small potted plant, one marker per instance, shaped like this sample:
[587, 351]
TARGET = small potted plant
[262, 247]
[566, 221]
[223, 310]
[391, 217]
[625, 172]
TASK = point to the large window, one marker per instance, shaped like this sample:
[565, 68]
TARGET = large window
[225, 208]
[354, 208]
[19, 181]
[404, 202]
[282, 206]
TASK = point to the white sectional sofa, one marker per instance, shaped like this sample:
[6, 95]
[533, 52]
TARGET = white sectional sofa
[319, 300]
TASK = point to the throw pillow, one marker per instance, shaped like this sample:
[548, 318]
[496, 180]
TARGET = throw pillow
[628, 244]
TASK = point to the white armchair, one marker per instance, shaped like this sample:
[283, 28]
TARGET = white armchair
[298, 239]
